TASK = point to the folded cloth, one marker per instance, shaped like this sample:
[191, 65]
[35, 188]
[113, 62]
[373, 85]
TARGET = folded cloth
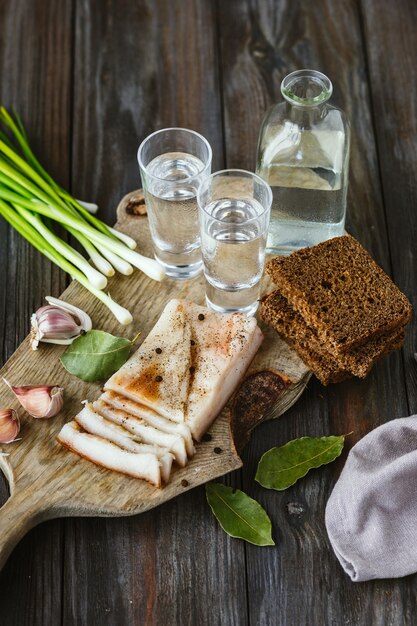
[371, 515]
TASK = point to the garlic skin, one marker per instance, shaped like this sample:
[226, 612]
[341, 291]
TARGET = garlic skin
[9, 425]
[40, 401]
[58, 322]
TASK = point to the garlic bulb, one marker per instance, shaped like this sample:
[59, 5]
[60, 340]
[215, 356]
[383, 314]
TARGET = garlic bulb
[9, 425]
[58, 322]
[39, 400]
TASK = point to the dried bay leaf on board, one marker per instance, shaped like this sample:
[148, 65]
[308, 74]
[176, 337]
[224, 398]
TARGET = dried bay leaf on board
[239, 515]
[96, 355]
[279, 468]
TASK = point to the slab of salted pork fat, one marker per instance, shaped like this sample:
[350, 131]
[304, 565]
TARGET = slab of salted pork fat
[107, 454]
[95, 424]
[133, 409]
[189, 364]
[157, 375]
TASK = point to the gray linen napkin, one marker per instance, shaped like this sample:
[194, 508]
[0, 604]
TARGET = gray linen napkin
[371, 515]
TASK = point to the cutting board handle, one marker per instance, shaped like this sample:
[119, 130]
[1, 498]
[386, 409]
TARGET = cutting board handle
[18, 515]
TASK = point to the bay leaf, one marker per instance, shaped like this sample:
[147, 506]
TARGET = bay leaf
[95, 355]
[279, 468]
[239, 515]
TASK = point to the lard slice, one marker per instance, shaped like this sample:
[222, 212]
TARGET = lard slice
[150, 416]
[145, 433]
[157, 374]
[95, 424]
[110, 456]
[224, 346]
[189, 365]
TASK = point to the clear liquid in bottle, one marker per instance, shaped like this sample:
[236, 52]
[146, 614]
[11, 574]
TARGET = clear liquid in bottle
[303, 154]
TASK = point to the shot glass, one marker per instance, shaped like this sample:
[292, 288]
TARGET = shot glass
[173, 162]
[234, 211]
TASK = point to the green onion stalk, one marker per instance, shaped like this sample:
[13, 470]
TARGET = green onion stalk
[31, 201]
[28, 232]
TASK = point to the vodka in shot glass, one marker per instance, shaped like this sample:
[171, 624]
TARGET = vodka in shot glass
[173, 162]
[234, 212]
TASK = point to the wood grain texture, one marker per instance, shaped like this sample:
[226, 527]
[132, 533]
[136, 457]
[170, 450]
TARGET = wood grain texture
[46, 481]
[140, 66]
[34, 35]
[301, 582]
[390, 35]
[35, 77]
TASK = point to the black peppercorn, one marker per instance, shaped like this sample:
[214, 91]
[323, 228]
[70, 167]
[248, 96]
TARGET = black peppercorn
[201, 317]
[158, 379]
[158, 351]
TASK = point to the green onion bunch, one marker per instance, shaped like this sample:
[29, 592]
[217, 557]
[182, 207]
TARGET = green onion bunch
[30, 200]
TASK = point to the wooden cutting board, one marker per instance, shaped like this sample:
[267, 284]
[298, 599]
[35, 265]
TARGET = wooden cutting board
[48, 481]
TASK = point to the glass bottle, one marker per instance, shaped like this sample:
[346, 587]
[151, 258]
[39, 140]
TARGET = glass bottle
[303, 153]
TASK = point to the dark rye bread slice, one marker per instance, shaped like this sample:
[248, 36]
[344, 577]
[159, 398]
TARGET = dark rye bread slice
[320, 363]
[340, 292]
[359, 361]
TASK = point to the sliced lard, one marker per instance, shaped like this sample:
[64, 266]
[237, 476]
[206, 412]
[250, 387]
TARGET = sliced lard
[110, 456]
[150, 416]
[157, 374]
[190, 364]
[169, 392]
[95, 424]
[145, 433]
[224, 346]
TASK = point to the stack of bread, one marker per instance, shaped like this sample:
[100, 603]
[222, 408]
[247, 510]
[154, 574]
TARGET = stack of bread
[336, 307]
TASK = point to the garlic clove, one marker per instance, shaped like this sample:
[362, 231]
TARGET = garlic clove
[58, 322]
[84, 318]
[54, 323]
[40, 401]
[9, 425]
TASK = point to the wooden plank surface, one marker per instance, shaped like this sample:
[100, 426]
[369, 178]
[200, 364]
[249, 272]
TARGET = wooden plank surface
[302, 582]
[391, 29]
[91, 79]
[157, 67]
[35, 77]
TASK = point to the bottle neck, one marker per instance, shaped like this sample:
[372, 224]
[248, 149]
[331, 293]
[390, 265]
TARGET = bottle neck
[306, 116]
[306, 93]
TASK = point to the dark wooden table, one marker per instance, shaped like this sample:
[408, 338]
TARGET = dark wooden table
[91, 79]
